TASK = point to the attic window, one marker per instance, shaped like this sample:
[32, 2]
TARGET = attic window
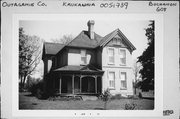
[116, 41]
[83, 57]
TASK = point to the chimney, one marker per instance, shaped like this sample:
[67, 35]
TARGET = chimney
[91, 28]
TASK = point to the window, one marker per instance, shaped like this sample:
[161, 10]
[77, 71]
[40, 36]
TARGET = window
[116, 41]
[122, 57]
[111, 55]
[123, 78]
[112, 80]
[83, 57]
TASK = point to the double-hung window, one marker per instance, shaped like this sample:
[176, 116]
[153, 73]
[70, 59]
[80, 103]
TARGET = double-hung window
[123, 78]
[111, 54]
[83, 57]
[122, 57]
[111, 80]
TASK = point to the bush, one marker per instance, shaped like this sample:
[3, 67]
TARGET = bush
[130, 106]
[35, 86]
[105, 96]
[140, 95]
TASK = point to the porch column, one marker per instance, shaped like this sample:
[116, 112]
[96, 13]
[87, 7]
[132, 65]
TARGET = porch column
[60, 84]
[73, 84]
[95, 84]
[80, 83]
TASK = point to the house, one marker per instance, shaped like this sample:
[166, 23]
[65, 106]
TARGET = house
[89, 64]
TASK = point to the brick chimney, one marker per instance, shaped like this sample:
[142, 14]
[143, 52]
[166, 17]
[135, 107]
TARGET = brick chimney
[91, 29]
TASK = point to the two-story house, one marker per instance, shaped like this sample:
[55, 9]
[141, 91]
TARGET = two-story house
[89, 64]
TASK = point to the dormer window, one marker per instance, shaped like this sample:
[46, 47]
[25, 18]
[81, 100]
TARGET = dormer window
[83, 57]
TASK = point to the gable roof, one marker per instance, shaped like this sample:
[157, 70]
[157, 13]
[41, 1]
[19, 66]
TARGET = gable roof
[109, 36]
[52, 48]
[83, 40]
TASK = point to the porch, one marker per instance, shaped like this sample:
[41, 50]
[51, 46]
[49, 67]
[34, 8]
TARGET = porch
[77, 84]
[81, 80]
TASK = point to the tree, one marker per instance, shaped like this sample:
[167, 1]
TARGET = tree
[147, 60]
[29, 55]
[136, 69]
[65, 39]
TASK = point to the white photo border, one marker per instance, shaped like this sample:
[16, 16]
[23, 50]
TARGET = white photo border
[158, 102]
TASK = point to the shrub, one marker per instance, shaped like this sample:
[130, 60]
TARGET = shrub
[35, 86]
[105, 96]
[140, 95]
[130, 106]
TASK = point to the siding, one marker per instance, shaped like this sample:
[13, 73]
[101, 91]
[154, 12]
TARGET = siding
[117, 68]
[99, 58]
[62, 58]
[47, 64]
[74, 56]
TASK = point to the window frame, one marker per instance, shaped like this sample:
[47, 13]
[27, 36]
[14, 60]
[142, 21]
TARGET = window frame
[82, 62]
[111, 63]
[111, 87]
[122, 64]
[123, 88]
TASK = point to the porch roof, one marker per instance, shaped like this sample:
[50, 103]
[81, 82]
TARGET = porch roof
[73, 68]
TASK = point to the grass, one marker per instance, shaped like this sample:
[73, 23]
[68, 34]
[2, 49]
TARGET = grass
[27, 101]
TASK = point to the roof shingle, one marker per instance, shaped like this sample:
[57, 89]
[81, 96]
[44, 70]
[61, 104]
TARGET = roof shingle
[83, 40]
[52, 48]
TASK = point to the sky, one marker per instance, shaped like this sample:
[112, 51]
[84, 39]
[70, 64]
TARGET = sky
[49, 29]
[72, 24]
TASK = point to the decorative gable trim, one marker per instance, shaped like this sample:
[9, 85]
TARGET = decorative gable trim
[110, 36]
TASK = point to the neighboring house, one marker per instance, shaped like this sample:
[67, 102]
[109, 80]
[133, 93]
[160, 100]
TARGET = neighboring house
[89, 64]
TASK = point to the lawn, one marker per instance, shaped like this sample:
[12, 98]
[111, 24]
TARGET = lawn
[27, 101]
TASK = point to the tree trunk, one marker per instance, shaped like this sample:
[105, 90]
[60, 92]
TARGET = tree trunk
[24, 79]
[21, 82]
